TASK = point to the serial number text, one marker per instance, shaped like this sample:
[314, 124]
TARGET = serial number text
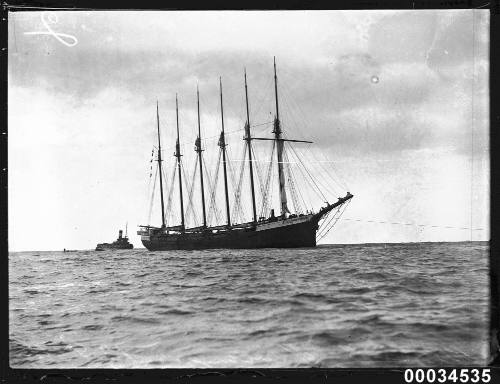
[461, 375]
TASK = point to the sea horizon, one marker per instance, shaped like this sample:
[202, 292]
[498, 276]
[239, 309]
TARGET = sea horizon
[318, 245]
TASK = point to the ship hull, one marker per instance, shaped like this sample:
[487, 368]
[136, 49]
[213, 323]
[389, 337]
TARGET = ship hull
[104, 247]
[280, 234]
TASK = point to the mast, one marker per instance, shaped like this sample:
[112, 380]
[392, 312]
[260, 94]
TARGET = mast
[178, 155]
[159, 165]
[279, 144]
[222, 144]
[199, 150]
[126, 229]
[248, 139]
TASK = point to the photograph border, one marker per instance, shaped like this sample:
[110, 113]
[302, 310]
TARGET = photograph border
[337, 375]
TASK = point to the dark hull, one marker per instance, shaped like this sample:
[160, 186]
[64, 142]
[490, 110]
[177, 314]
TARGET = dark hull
[296, 235]
[103, 247]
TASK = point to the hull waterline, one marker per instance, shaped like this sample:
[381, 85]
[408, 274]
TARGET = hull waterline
[272, 235]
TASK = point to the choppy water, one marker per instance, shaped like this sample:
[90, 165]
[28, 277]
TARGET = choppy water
[332, 306]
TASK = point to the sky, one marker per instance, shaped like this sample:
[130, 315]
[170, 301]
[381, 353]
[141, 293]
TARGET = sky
[395, 102]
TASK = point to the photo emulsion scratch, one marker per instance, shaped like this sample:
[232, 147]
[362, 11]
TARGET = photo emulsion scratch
[255, 189]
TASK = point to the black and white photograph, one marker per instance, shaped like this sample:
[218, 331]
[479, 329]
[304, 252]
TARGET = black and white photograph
[248, 189]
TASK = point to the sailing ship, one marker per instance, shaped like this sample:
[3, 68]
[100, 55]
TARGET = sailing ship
[286, 230]
[120, 243]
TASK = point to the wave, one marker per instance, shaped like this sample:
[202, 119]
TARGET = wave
[372, 275]
[355, 290]
[253, 300]
[92, 327]
[311, 296]
[334, 306]
[174, 312]
[132, 319]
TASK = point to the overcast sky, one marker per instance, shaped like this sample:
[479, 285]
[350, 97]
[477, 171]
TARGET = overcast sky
[398, 100]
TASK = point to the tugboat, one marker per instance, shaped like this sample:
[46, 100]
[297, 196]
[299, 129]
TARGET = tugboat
[120, 243]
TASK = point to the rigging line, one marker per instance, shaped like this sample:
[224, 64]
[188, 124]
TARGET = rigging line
[416, 225]
[191, 194]
[150, 175]
[235, 185]
[240, 184]
[336, 220]
[336, 216]
[259, 178]
[186, 179]
[307, 204]
[296, 191]
[237, 208]
[165, 180]
[212, 211]
[265, 186]
[317, 190]
[211, 191]
[258, 125]
[265, 191]
[261, 161]
[325, 224]
[326, 220]
[231, 170]
[295, 106]
[304, 123]
[323, 181]
[340, 182]
[231, 173]
[325, 228]
[302, 197]
[169, 196]
[270, 193]
[212, 154]
[225, 133]
[315, 181]
[260, 97]
[163, 172]
[304, 179]
[152, 196]
[190, 188]
[291, 183]
[262, 181]
[334, 168]
[329, 179]
[329, 187]
[189, 139]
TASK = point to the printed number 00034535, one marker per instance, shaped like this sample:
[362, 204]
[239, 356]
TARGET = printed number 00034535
[462, 375]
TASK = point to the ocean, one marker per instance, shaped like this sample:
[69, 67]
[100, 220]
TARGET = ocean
[369, 305]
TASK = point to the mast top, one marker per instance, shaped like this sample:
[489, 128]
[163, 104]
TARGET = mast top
[277, 126]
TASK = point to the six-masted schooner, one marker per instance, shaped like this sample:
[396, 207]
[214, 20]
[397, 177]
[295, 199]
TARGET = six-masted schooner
[283, 231]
